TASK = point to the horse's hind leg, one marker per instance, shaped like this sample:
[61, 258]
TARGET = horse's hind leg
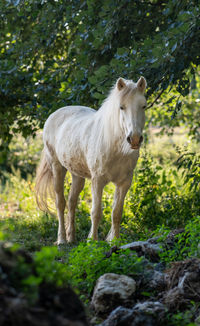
[59, 173]
[76, 187]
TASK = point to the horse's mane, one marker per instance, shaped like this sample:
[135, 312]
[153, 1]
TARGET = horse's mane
[108, 116]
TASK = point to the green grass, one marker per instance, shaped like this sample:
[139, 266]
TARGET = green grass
[159, 195]
[164, 195]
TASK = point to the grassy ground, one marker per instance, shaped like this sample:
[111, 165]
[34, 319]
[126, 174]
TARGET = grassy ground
[158, 194]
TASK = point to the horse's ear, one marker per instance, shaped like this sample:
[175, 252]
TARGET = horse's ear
[142, 84]
[121, 84]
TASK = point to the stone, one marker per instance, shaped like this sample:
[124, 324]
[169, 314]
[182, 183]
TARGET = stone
[158, 281]
[149, 249]
[153, 281]
[111, 291]
[150, 307]
[119, 316]
[148, 313]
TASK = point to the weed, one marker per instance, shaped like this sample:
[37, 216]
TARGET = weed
[186, 244]
[88, 262]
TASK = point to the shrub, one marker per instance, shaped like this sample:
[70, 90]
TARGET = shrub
[160, 196]
[26, 274]
[186, 245]
[88, 262]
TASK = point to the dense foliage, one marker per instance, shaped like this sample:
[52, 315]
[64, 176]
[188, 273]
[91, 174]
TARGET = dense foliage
[58, 52]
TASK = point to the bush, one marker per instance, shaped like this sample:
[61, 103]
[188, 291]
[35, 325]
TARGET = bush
[26, 273]
[161, 196]
[88, 262]
[186, 245]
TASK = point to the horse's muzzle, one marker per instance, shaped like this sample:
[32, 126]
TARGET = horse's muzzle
[135, 141]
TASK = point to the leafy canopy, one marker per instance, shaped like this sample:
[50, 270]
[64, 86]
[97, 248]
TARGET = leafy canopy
[54, 53]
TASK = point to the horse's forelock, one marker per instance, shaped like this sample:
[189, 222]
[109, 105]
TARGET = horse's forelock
[130, 89]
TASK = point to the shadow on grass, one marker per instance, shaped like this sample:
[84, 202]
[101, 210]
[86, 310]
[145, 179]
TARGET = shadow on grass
[34, 232]
[31, 233]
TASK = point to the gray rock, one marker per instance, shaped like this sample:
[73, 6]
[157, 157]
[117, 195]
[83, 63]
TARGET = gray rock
[153, 281]
[148, 313]
[150, 307]
[158, 281]
[150, 249]
[120, 316]
[111, 291]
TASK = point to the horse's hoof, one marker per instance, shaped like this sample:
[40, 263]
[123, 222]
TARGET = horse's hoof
[60, 242]
[71, 238]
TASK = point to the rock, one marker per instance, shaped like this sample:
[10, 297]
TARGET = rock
[149, 249]
[113, 290]
[148, 313]
[158, 282]
[153, 281]
[120, 316]
[150, 307]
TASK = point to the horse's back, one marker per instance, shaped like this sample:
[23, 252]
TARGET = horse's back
[63, 117]
[65, 135]
[60, 116]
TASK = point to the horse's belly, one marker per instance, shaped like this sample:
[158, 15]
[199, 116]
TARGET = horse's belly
[76, 165]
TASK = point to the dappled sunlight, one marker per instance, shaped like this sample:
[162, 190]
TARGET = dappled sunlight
[158, 195]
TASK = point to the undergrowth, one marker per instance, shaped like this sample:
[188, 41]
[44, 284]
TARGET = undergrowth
[88, 261]
[162, 197]
[159, 195]
[186, 245]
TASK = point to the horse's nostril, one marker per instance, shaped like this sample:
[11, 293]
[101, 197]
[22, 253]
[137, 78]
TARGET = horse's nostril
[141, 139]
[128, 139]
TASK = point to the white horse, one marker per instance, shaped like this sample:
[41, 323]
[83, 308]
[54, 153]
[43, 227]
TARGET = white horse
[101, 145]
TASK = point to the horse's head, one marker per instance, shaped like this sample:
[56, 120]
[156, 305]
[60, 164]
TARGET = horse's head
[132, 104]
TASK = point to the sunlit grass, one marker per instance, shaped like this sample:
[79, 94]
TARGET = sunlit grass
[156, 197]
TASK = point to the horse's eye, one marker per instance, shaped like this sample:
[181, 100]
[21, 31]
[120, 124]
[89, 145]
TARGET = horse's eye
[121, 107]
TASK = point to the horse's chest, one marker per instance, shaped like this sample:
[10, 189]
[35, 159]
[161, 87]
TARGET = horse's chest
[119, 169]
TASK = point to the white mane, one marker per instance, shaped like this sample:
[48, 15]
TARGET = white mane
[110, 131]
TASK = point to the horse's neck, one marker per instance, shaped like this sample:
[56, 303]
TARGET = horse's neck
[107, 127]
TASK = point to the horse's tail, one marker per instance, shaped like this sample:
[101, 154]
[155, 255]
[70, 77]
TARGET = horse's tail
[44, 184]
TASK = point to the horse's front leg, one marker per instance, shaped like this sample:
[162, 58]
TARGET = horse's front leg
[120, 193]
[76, 188]
[96, 212]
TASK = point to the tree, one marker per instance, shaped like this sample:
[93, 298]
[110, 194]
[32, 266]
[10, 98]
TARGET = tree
[54, 53]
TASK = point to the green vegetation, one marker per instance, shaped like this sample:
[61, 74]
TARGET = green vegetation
[26, 275]
[88, 262]
[164, 195]
[56, 53]
[164, 191]
[186, 245]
